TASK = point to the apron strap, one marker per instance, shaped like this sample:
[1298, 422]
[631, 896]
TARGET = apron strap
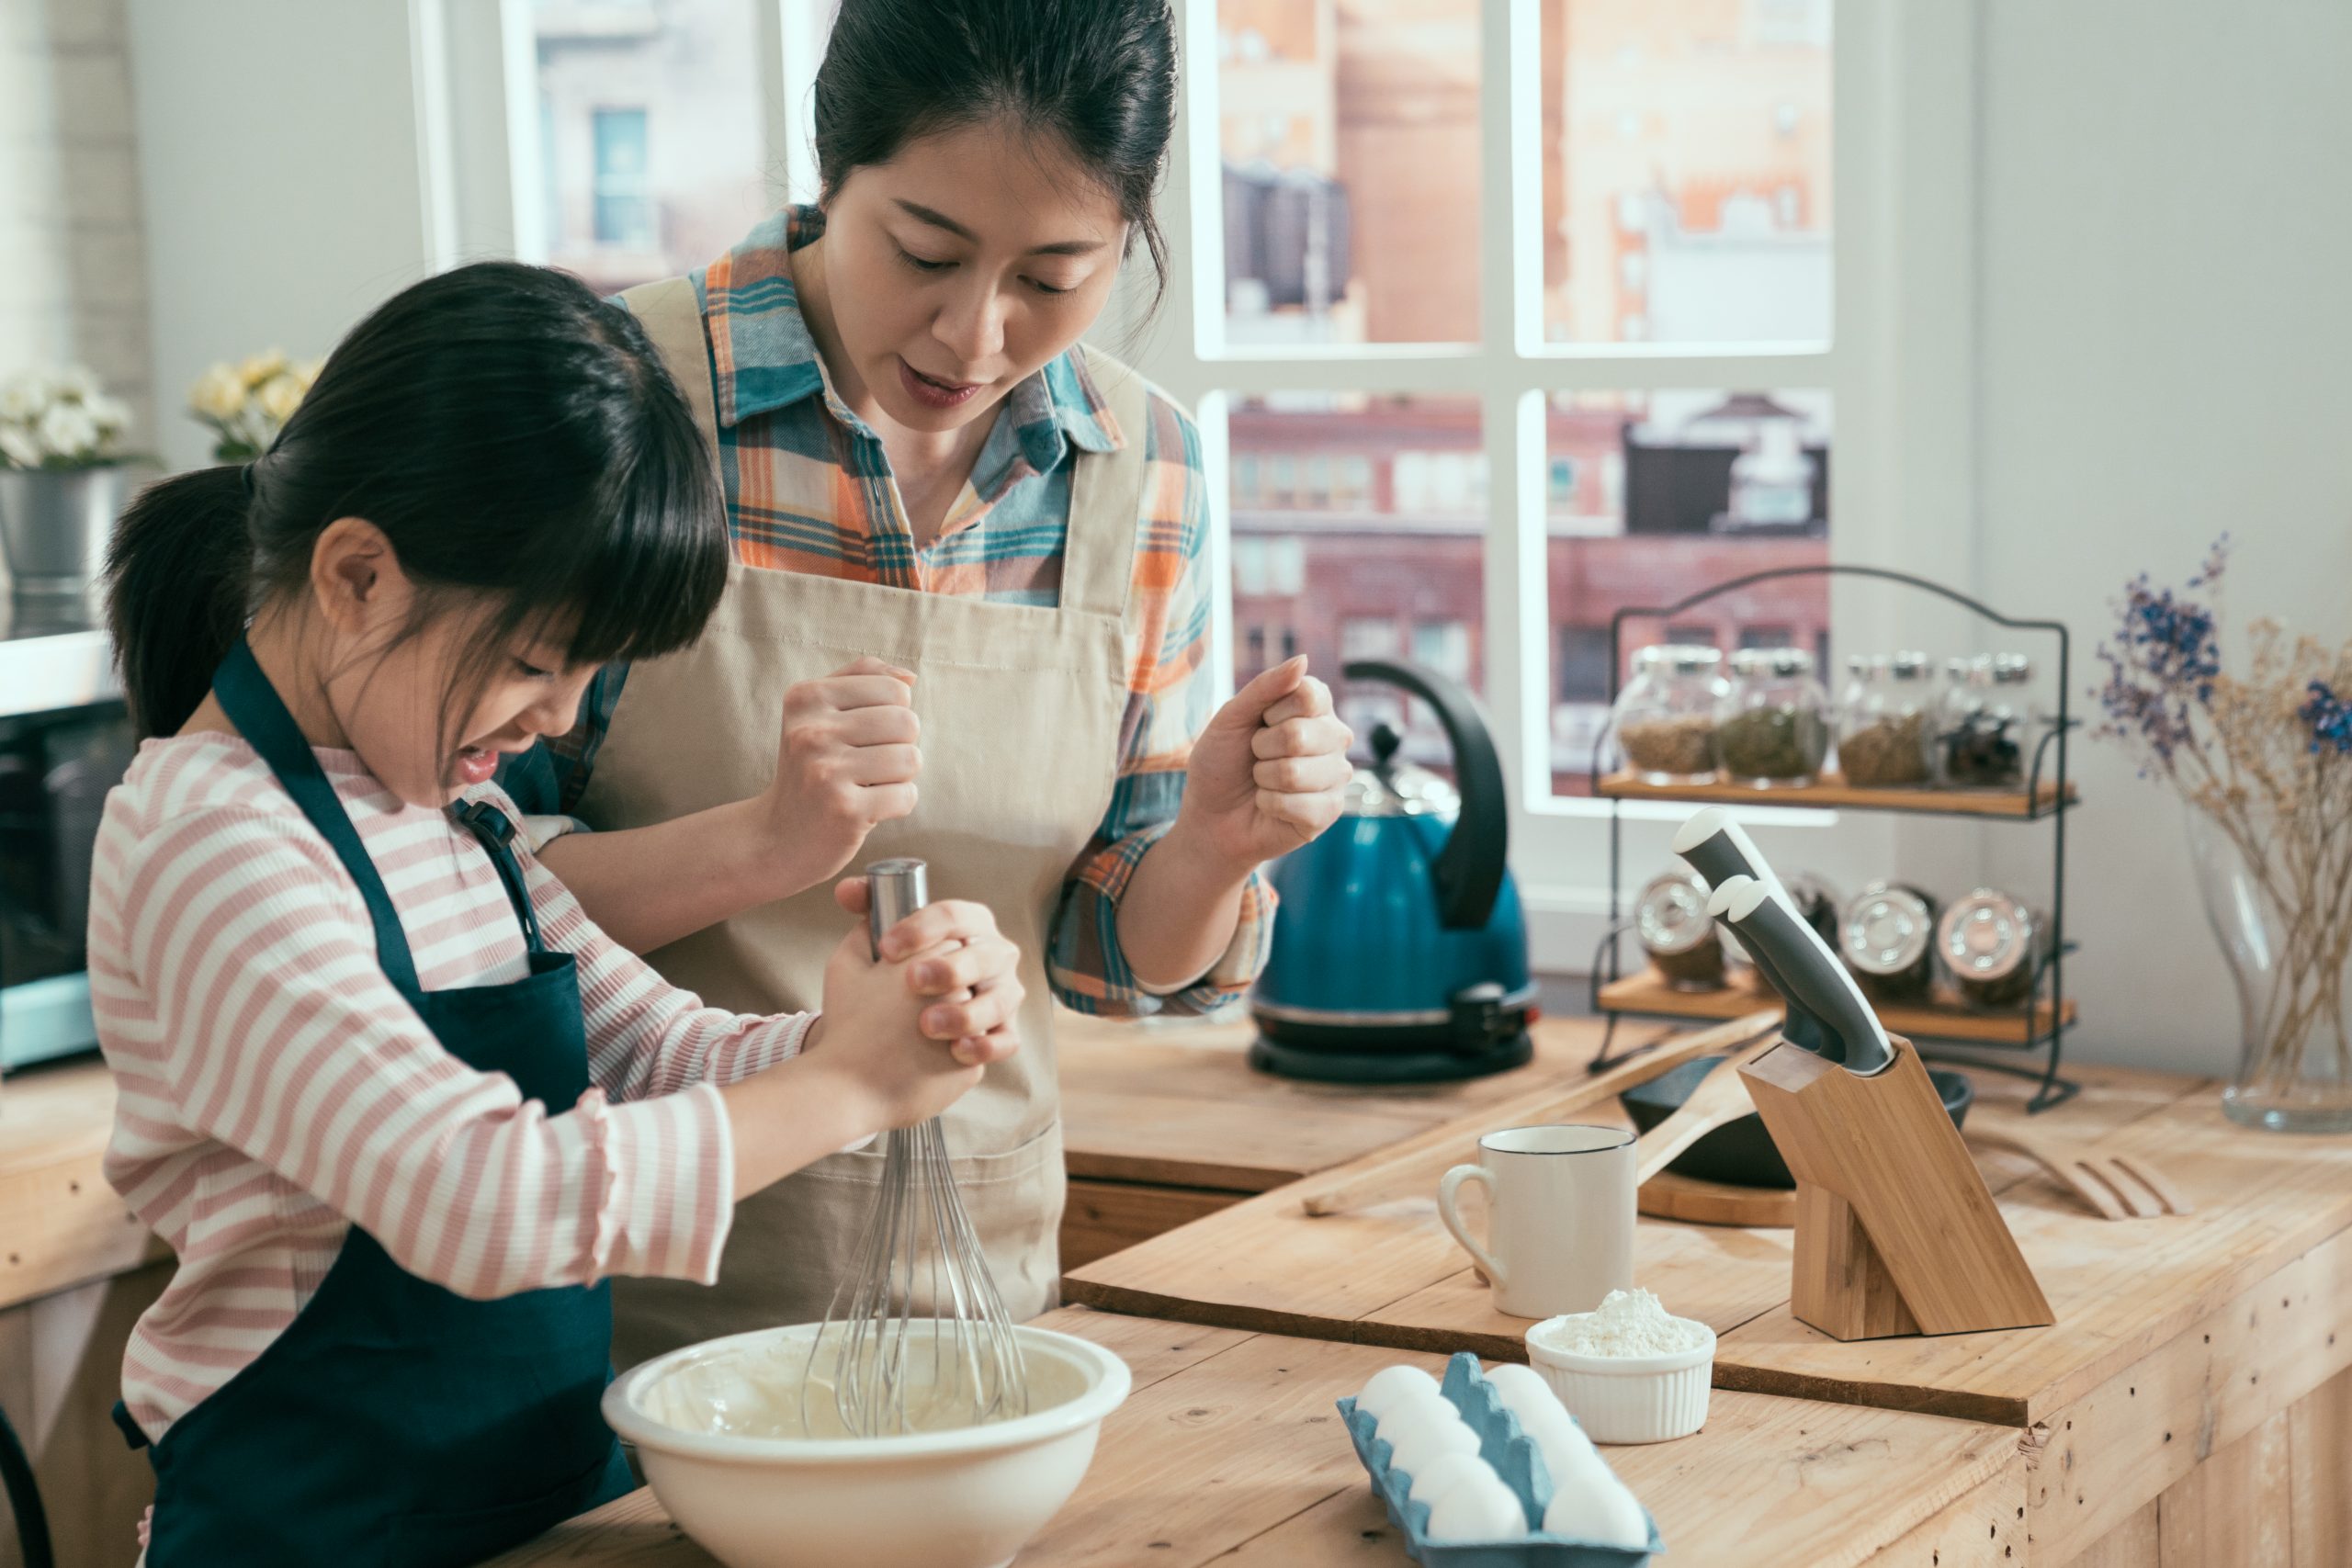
[491, 826]
[254, 705]
[1106, 497]
[671, 312]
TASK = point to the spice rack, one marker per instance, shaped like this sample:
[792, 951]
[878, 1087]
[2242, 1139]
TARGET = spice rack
[2047, 795]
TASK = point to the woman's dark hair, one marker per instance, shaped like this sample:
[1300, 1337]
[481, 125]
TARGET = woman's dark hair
[515, 438]
[1100, 75]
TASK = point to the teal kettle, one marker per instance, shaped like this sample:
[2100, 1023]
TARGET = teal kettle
[1400, 946]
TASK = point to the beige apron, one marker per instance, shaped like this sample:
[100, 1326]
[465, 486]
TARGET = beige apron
[1021, 708]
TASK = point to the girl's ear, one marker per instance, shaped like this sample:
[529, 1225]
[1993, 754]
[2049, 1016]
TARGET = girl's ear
[355, 576]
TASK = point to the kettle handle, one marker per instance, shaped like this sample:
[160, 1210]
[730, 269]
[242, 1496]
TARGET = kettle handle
[1469, 870]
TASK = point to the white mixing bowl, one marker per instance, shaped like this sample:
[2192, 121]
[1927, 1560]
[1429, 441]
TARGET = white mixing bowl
[969, 1497]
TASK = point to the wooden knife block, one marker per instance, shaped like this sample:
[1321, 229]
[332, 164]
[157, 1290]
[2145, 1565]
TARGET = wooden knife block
[1896, 1232]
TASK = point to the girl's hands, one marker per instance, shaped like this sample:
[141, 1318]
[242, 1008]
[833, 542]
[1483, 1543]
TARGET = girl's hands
[913, 1033]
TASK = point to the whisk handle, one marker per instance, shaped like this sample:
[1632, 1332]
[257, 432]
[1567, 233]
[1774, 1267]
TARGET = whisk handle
[894, 889]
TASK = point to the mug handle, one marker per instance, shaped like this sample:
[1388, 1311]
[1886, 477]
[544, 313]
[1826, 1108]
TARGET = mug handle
[1448, 1212]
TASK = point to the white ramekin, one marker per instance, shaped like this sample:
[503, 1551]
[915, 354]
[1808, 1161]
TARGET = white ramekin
[1628, 1399]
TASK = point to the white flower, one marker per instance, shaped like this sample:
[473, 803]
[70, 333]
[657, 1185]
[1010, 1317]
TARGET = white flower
[218, 394]
[68, 432]
[76, 383]
[23, 397]
[260, 367]
[112, 414]
[281, 396]
[18, 445]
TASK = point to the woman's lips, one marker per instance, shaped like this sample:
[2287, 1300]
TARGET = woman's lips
[934, 394]
[476, 765]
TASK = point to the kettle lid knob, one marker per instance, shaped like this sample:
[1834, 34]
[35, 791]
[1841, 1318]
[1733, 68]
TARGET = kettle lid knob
[1384, 744]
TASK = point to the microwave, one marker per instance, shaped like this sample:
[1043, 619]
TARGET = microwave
[55, 769]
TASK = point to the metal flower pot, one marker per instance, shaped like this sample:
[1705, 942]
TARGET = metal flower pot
[54, 524]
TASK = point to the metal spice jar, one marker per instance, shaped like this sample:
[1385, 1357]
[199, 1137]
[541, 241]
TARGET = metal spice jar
[1993, 945]
[1671, 919]
[1666, 717]
[1887, 939]
[1774, 728]
[1884, 722]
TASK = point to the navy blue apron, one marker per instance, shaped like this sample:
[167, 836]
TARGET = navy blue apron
[395, 1424]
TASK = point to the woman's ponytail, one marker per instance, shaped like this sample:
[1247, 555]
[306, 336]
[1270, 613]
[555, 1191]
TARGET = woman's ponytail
[179, 578]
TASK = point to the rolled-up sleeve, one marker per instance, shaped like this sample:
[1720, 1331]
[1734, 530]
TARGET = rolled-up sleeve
[1168, 705]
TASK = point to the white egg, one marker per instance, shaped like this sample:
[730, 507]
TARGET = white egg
[1391, 1383]
[1523, 1389]
[1478, 1509]
[1562, 1443]
[1413, 1450]
[1446, 1471]
[1591, 1505]
[1414, 1407]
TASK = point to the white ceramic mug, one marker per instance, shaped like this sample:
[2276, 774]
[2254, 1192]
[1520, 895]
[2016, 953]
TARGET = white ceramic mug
[1559, 1216]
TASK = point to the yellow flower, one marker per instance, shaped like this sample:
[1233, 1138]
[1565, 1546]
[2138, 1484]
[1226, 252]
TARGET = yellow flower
[218, 394]
[307, 371]
[281, 396]
[260, 367]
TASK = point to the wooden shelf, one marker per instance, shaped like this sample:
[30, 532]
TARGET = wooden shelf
[1833, 792]
[1646, 993]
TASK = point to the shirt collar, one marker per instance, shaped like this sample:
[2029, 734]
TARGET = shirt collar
[766, 360]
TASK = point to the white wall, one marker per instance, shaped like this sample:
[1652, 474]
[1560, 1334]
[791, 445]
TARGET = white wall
[2165, 311]
[277, 149]
[70, 244]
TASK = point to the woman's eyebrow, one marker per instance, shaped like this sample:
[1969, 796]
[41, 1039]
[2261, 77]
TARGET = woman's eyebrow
[941, 220]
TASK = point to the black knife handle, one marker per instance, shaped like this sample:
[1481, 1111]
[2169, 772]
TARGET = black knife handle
[1718, 858]
[1813, 978]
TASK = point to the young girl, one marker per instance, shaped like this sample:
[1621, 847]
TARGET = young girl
[396, 1104]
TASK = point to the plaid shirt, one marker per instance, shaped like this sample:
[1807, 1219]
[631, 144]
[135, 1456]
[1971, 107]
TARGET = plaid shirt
[827, 508]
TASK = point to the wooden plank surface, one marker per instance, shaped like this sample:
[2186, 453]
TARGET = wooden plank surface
[1389, 1274]
[2120, 1288]
[1104, 1216]
[1832, 791]
[1648, 993]
[61, 1224]
[1230, 1451]
[1182, 1107]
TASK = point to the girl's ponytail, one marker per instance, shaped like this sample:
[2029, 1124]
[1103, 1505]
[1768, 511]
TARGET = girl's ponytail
[179, 578]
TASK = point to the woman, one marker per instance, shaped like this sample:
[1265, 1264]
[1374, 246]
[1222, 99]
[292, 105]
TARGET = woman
[993, 540]
[397, 1106]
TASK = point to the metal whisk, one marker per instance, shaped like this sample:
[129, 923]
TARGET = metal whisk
[895, 1370]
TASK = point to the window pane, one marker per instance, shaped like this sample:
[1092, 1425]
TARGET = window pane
[1709, 486]
[1385, 566]
[1347, 127]
[1686, 170]
[651, 153]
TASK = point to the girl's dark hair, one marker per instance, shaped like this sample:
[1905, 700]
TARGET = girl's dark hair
[1101, 74]
[515, 438]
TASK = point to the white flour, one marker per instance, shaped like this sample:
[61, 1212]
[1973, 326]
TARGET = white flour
[1628, 1323]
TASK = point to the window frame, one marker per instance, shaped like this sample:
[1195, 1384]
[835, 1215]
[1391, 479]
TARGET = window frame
[1897, 366]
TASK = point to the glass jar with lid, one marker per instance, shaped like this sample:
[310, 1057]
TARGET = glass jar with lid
[1885, 723]
[1888, 940]
[1773, 729]
[1664, 717]
[1985, 720]
[1994, 945]
[1671, 919]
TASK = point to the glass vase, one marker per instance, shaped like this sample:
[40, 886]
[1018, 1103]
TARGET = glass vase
[2286, 950]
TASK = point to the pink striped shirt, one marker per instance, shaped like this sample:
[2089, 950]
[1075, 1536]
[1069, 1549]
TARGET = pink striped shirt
[275, 1089]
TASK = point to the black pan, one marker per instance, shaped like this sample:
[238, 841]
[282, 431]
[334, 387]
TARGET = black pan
[1741, 1153]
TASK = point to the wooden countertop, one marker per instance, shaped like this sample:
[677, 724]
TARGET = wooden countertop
[1229, 1450]
[61, 1224]
[1179, 1105]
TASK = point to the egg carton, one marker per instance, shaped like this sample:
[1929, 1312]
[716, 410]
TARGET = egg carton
[1502, 1444]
